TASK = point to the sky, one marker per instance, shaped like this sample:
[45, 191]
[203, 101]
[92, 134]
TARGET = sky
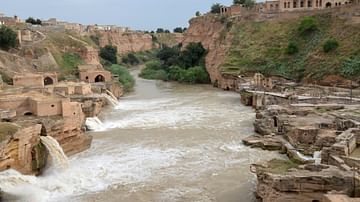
[136, 14]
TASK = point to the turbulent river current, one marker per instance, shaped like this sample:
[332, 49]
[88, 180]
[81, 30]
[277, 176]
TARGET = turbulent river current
[163, 142]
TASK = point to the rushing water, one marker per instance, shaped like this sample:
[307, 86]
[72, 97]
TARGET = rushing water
[164, 142]
[60, 160]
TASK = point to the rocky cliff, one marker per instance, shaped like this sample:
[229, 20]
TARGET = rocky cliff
[20, 148]
[245, 44]
[213, 34]
[126, 41]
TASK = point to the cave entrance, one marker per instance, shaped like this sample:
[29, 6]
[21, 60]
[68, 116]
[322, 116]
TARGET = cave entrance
[48, 81]
[99, 78]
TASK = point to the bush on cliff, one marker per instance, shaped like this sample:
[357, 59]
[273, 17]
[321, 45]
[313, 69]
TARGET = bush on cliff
[125, 78]
[109, 53]
[351, 67]
[330, 45]
[8, 38]
[307, 26]
[292, 48]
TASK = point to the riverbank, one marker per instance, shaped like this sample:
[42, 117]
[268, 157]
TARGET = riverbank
[153, 141]
[318, 128]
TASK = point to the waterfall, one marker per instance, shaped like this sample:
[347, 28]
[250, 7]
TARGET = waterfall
[56, 152]
[110, 100]
[111, 94]
[94, 124]
[317, 157]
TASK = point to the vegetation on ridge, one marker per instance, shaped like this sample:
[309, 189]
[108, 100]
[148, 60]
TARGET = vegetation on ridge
[294, 48]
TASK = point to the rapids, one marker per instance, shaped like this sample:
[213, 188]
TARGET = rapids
[163, 142]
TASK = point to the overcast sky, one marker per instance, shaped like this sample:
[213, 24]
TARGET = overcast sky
[137, 14]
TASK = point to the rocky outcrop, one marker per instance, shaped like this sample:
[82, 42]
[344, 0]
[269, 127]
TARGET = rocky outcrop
[280, 182]
[20, 148]
[212, 33]
[126, 41]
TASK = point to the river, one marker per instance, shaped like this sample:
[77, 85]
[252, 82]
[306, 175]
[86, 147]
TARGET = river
[163, 142]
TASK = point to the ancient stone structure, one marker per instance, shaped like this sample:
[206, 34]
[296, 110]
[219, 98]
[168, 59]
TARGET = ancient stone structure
[20, 148]
[34, 80]
[72, 88]
[283, 6]
[34, 103]
[10, 21]
[93, 74]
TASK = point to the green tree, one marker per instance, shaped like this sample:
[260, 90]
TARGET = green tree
[109, 53]
[178, 30]
[197, 14]
[8, 38]
[167, 31]
[249, 3]
[215, 8]
[193, 55]
[160, 30]
[330, 45]
[351, 67]
[130, 59]
[33, 21]
[238, 2]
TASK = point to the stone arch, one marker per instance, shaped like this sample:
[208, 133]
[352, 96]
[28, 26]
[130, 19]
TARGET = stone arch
[328, 5]
[99, 78]
[48, 81]
[28, 113]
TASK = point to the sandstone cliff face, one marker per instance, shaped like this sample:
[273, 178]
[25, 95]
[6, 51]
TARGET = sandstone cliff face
[23, 151]
[212, 33]
[127, 41]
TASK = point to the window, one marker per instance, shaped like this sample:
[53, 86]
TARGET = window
[301, 4]
[52, 106]
[288, 4]
[285, 4]
[309, 4]
[295, 4]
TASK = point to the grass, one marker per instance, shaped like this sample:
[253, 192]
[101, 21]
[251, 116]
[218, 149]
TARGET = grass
[7, 129]
[125, 78]
[279, 166]
[261, 47]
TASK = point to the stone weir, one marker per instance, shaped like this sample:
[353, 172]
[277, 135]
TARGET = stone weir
[60, 113]
[322, 142]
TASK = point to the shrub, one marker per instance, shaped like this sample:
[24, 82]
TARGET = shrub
[125, 78]
[130, 59]
[109, 53]
[351, 67]
[160, 30]
[197, 14]
[193, 55]
[307, 26]
[215, 8]
[33, 21]
[330, 45]
[8, 38]
[292, 48]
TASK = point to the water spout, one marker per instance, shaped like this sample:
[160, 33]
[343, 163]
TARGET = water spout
[56, 152]
[94, 124]
[110, 100]
[111, 94]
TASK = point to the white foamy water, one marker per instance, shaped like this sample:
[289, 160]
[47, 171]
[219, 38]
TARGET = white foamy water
[94, 124]
[165, 142]
[58, 156]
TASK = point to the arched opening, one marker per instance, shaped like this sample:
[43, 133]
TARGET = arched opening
[28, 114]
[328, 5]
[48, 81]
[99, 78]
